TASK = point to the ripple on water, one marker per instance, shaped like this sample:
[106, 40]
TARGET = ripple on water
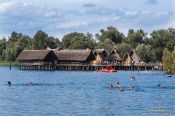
[85, 93]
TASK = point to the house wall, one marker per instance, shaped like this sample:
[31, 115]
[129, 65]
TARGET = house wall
[98, 60]
[127, 61]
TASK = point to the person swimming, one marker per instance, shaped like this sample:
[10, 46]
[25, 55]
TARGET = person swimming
[133, 78]
[9, 83]
[121, 89]
[117, 85]
[132, 87]
[160, 87]
[110, 86]
[29, 84]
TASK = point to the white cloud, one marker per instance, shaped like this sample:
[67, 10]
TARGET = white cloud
[72, 24]
[82, 15]
[152, 1]
[4, 7]
[131, 13]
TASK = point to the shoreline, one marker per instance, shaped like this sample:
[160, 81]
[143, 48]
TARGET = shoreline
[3, 63]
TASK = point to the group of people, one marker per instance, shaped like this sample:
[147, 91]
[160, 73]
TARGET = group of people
[117, 85]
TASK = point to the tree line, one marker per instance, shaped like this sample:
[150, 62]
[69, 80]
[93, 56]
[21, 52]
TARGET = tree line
[169, 61]
[149, 47]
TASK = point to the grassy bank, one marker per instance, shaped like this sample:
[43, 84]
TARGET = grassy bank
[3, 63]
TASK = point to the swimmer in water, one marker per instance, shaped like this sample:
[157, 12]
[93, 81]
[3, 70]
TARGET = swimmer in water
[117, 85]
[110, 86]
[133, 78]
[132, 87]
[121, 89]
[29, 84]
[9, 83]
[160, 87]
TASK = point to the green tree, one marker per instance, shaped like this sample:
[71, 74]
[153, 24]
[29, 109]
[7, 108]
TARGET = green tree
[167, 61]
[173, 60]
[108, 45]
[146, 53]
[111, 33]
[22, 43]
[40, 40]
[135, 37]
[2, 49]
[123, 48]
[78, 41]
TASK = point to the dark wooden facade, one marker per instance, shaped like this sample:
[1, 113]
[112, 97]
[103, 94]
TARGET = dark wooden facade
[101, 52]
[75, 56]
[37, 59]
[114, 56]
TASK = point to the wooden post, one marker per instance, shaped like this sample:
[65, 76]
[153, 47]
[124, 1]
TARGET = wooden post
[10, 66]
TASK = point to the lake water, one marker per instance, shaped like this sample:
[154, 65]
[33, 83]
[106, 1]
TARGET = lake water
[63, 93]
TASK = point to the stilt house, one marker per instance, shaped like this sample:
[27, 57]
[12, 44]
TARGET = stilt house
[131, 58]
[100, 56]
[79, 57]
[114, 56]
[37, 59]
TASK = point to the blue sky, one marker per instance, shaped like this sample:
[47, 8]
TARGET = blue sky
[60, 17]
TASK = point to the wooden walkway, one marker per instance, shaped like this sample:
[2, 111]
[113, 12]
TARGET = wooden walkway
[78, 67]
[98, 67]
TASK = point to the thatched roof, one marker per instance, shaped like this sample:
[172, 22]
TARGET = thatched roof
[101, 52]
[74, 55]
[133, 55]
[126, 55]
[33, 54]
[114, 55]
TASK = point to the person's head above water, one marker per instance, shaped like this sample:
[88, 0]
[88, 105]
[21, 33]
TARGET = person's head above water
[158, 85]
[132, 87]
[133, 78]
[30, 83]
[9, 83]
[117, 85]
[121, 89]
[110, 86]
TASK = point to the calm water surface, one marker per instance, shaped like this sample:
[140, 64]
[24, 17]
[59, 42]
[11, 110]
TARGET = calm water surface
[61, 93]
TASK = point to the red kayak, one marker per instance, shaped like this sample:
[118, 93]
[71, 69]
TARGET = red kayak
[108, 69]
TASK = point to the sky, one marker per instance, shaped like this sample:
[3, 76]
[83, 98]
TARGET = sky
[60, 17]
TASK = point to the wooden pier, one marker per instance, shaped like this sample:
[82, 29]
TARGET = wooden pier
[76, 67]
[81, 60]
[71, 67]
